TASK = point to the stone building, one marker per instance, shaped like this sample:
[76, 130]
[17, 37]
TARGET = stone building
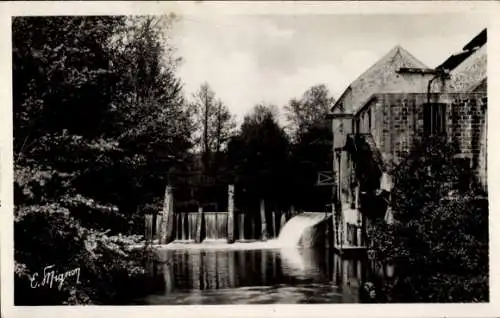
[378, 116]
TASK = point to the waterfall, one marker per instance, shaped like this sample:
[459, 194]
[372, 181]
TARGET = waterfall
[185, 225]
[191, 225]
[216, 225]
[241, 227]
[297, 227]
[297, 231]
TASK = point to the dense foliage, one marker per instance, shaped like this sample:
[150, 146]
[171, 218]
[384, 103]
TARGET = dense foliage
[308, 111]
[311, 148]
[258, 155]
[97, 109]
[439, 240]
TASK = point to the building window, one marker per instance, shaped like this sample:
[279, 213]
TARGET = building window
[357, 124]
[435, 118]
[370, 120]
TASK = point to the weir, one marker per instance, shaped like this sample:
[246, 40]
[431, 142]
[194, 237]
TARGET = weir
[216, 225]
[302, 229]
[186, 226]
[231, 225]
[306, 229]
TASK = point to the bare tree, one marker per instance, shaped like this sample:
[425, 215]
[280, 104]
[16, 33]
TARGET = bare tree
[213, 122]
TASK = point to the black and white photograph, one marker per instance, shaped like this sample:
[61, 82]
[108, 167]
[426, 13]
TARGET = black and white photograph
[178, 158]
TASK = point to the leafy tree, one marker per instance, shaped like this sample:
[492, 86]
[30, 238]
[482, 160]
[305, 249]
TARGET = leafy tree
[311, 148]
[213, 122]
[439, 240]
[152, 116]
[259, 156]
[96, 108]
[308, 111]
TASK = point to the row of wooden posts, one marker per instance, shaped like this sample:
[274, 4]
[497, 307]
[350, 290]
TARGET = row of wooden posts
[165, 229]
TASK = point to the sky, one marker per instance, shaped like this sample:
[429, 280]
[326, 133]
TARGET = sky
[249, 59]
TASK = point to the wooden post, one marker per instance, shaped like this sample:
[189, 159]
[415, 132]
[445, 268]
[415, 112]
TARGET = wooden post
[158, 227]
[148, 235]
[167, 228]
[252, 219]
[356, 197]
[199, 226]
[273, 214]
[283, 219]
[339, 198]
[230, 214]
[360, 216]
[183, 226]
[263, 220]
[327, 231]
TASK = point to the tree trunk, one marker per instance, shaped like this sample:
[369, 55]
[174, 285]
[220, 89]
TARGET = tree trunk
[205, 134]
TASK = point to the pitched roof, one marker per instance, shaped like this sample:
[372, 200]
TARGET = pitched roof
[468, 69]
[477, 41]
[380, 77]
[456, 59]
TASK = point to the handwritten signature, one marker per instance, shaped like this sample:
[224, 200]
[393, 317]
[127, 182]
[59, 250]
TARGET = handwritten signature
[50, 276]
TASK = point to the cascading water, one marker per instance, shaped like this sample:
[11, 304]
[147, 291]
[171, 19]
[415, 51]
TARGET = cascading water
[295, 229]
[216, 225]
[191, 228]
[241, 226]
[186, 226]
[303, 230]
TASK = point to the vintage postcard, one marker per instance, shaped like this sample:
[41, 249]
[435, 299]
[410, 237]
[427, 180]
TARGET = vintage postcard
[248, 159]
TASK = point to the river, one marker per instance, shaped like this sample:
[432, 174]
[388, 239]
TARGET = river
[251, 273]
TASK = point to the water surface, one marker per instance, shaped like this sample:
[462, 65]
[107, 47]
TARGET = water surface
[251, 273]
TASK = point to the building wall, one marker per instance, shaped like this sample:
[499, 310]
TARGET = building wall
[482, 170]
[341, 128]
[343, 173]
[395, 119]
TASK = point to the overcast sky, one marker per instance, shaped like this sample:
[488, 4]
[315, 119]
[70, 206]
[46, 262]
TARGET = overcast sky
[252, 59]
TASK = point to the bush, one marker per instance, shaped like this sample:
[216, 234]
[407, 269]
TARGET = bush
[439, 240]
[62, 243]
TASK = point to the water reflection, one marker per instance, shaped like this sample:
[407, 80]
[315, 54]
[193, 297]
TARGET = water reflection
[254, 276]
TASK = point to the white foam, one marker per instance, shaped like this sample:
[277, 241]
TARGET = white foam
[294, 229]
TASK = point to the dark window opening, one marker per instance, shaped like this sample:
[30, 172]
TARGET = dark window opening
[357, 123]
[370, 120]
[435, 118]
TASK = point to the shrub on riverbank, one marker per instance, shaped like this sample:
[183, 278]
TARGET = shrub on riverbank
[439, 240]
[52, 243]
